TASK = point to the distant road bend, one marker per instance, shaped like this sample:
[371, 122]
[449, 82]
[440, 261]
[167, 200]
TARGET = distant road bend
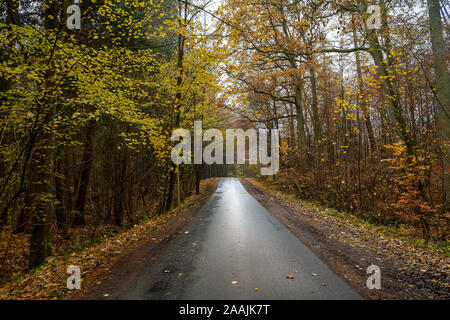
[232, 249]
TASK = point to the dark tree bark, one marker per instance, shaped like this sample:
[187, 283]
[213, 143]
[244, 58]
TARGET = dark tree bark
[442, 81]
[60, 190]
[23, 222]
[40, 240]
[178, 97]
[85, 174]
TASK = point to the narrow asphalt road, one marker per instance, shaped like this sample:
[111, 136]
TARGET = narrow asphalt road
[232, 246]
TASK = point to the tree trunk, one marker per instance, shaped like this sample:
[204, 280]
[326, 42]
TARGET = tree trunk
[40, 241]
[23, 222]
[197, 179]
[365, 109]
[442, 80]
[60, 189]
[315, 107]
[178, 97]
[86, 165]
[388, 85]
[300, 118]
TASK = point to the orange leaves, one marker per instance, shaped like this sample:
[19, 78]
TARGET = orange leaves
[397, 148]
[408, 176]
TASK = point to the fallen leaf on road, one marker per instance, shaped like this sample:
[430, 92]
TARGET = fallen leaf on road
[290, 276]
[324, 284]
[256, 289]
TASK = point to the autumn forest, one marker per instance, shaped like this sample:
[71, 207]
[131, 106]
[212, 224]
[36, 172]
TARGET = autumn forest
[362, 104]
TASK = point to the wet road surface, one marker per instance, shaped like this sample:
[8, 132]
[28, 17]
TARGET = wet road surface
[232, 246]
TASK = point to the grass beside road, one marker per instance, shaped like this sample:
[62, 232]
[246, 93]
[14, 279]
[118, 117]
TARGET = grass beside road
[401, 231]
